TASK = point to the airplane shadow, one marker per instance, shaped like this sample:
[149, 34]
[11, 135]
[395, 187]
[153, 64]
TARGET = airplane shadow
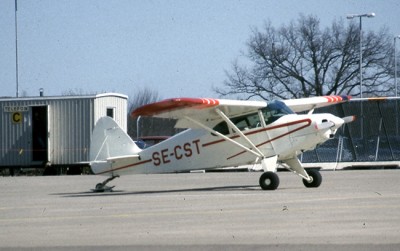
[122, 192]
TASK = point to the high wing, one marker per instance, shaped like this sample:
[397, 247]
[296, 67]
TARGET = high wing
[307, 104]
[203, 109]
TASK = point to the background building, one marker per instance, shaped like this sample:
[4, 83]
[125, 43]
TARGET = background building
[54, 131]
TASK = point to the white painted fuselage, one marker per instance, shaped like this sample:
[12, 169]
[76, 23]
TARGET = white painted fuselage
[198, 149]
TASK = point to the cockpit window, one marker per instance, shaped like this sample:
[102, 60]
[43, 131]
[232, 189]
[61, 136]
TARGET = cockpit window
[274, 110]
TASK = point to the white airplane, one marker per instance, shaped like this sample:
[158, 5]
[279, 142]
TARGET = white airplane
[222, 133]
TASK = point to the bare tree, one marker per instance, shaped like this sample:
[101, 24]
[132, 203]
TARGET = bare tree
[76, 92]
[148, 126]
[301, 60]
[143, 97]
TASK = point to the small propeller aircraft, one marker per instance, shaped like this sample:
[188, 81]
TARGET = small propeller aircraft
[221, 133]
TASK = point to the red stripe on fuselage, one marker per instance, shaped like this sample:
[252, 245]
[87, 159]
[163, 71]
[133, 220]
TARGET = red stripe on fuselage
[126, 166]
[308, 121]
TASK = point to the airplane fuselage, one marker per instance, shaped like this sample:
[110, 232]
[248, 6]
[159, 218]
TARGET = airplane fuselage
[196, 149]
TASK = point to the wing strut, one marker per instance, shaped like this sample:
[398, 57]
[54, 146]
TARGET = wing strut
[233, 126]
[225, 137]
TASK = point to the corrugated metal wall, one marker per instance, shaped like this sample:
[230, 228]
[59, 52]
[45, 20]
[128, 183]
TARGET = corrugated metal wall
[16, 137]
[70, 127]
[70, 124]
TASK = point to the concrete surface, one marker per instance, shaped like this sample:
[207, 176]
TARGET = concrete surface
[352, 210]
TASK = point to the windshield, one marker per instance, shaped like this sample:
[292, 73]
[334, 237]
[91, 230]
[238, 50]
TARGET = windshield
[274, 110]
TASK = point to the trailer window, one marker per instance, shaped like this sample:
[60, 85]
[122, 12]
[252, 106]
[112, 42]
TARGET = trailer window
[110, 112]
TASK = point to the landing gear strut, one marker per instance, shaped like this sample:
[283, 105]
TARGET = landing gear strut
[101, 187]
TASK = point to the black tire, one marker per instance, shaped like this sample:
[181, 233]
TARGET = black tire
[269, 181]
[316, 178]
[99, 188]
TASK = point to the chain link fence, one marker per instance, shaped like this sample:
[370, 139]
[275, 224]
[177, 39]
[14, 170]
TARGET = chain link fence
[374, 136]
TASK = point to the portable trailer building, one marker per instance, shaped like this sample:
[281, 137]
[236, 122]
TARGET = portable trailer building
[56, 131]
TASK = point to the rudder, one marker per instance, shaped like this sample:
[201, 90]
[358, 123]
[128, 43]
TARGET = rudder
[109, 140]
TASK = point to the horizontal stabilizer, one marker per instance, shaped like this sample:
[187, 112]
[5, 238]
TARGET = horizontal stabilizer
[124, 157]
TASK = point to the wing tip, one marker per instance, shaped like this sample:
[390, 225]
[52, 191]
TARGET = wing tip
[172, 104]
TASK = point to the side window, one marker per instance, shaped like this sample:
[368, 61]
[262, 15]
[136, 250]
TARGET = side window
[243, 123]
[222, 128]
[254, 120]
[269, 117]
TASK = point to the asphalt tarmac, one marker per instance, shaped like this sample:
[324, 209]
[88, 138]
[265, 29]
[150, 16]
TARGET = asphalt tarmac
[351, 210]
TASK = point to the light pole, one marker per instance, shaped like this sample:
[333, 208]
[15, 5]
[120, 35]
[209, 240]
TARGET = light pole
[395, 84]
[16, 49]
[351, 16]
[395, 63]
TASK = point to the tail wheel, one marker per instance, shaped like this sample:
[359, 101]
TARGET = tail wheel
[269, 181]
[316, 178]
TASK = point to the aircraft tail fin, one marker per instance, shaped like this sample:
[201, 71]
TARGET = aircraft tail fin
[109, 140]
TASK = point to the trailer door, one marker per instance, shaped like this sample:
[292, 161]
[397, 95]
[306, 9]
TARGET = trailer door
[40, 133]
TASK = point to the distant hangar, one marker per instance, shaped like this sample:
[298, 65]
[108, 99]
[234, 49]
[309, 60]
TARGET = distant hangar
[54, 131]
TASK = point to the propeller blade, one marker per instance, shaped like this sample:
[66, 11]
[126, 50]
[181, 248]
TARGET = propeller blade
[349, 119]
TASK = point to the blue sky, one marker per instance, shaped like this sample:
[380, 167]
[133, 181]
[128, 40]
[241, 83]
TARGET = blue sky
[179, 48]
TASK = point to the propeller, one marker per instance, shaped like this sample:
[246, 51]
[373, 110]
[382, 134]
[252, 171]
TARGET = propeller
[349, 119]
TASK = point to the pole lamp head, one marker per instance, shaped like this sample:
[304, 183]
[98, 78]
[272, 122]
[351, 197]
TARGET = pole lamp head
[372, 14]
[351, 16]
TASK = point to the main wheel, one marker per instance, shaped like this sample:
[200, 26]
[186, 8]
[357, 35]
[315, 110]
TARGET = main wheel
[316, 178]
[269, 181]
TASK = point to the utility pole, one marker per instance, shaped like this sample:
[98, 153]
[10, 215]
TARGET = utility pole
[16, 49]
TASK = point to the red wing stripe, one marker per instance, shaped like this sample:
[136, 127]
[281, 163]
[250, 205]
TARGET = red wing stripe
[207, 103]
[337, 98]
[329, 98]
